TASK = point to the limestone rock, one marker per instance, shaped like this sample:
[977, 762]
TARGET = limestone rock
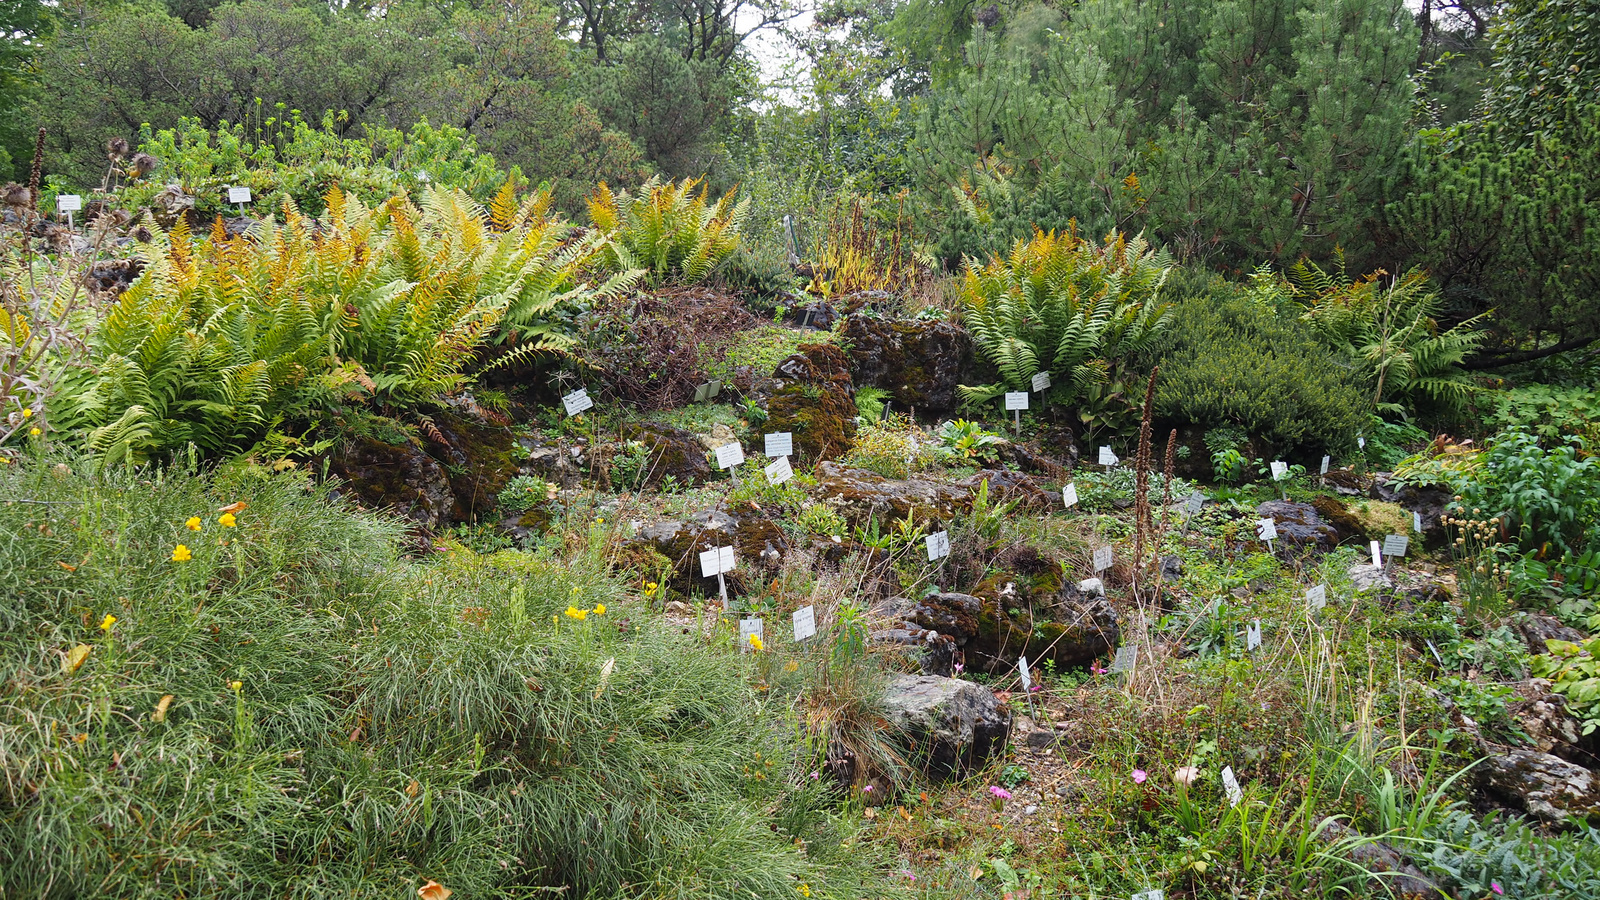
[920, 361]
[1007, 486]
[1403, 879]
[951, 726]
[861, 495]
[1299, 525]
[993, 631]
[673, 452]
[758, 545]
[1368, 577]
[476, 455]
[1547, 787]
[1536, 628]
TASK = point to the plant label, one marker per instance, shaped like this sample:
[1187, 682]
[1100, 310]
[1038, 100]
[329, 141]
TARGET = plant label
[1377, 555]
[805, 623]
[1102, 559]
[1361, 442]
[1317, 597]
[716, 561]
[1016, 400]
[1022, 669]
[1325, 461]
[1193, 504]
[707, 391]
[1127, 657]
[577, 401]
[1107, 458]
[1395, 545]
[780, 443]
[730, 455]
[1231, 785]
[778, 471]
[938, 545]
[1069, 495]
[749, 628]
[68, 203]
[1416, 522]
[1252, 635]
[1280, 469]
[1152, 894]
[1266, 529]
[238, 195]
[1041, 382]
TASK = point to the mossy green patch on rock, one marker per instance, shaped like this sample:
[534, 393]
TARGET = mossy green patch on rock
[920, 361]
[814, 400]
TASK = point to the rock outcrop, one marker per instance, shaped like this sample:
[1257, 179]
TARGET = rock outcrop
[950, 726]
[1546, 787]
[813, 398]
[920, 361]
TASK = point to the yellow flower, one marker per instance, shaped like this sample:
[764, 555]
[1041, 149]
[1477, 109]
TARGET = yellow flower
[599, 609]
[235, 686]
[650, 588]
[35, 431]
[575, 613]
[107, 622]
[755, 642]
[193, 524]
[227, 520]
[600, 521]
[27, 412]
[805, 890]
[181, 553]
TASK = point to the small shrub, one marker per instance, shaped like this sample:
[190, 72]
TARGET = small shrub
[961, 440]
[889, 448]
[822, 520]
[1229, 359]
[1543, 495]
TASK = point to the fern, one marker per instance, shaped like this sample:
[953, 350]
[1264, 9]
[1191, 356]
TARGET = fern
[669, 230]
[1060, 304]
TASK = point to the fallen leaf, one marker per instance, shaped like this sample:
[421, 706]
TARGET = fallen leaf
[236, 507]
[976, 873]
[433, 890]
[160, 715]
[413, 788]
[605, 676]
[870, 813]
[68, 567]
[75, 658]
[903, 814]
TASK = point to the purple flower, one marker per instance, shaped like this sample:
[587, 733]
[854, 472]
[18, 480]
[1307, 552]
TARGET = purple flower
[1139, 776]
[959, 668]
[813, 776]
[1036, 688]
[999, 792]
[1495, 886]
[867, 789]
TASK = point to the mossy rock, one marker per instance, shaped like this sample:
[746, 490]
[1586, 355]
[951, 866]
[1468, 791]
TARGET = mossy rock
[673, 452]
[396, 476]
[1378, 518]
[477, 459]
[862, 495]
[814, 399]
[758, 544]
[919, 361]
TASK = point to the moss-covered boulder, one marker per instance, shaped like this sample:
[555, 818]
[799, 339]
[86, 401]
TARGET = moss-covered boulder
[920, 361]
[813, 398]
[1013, 615]
[674, 453]
[477, 459]
[1006, 486]
[758, 545]
[861, 495]
[399, 476]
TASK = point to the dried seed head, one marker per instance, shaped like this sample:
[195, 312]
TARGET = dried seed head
[18, 195]
[142, 164]
[141, 234]
[116, 148]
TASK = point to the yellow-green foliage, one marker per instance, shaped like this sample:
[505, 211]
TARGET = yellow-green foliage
[1066, 306]
[221, 338]
[668, 230]
[890, 448]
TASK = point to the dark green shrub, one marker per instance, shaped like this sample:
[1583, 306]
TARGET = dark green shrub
[1231, 360]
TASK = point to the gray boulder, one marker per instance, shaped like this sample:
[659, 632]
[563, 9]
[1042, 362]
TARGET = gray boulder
[1546, 787]
[950, 726]
[1299, 525]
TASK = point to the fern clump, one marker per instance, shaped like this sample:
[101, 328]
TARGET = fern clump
[221, 339]
[1064, 305]
[669, 230]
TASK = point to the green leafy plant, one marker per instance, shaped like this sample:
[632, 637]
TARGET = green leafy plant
[524, 492]
[1574, 672]
[668, 230]
[1543, 495]
[1229, 465]
[961, 439]
[1066, 306]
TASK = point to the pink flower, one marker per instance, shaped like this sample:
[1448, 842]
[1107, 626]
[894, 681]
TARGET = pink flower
[1096, 668]
[999, 792]
[1495, 886]
[959, 667]
[867, 789]
[1036, 688]
[813, 776]
[1139, 775]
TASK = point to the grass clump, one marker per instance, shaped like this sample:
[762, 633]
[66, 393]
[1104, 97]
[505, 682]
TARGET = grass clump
[287, 702]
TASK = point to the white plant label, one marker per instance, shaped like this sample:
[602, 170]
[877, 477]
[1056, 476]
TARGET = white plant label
[238, 195]
[1041, 382]
[749, 628]
[1107, 458]
[1231, 785]
[1252, 635]
[577, 401]
[1325, 461]
[1127, 657]
[780, 443]
[778, 471]
[716, 561]
[938, 545]
[1102, 559]
[1193, 504]
[68, 203]
[1395, 545]
[805, 623]
[730, 455]
[707, 391]
[1361, 442]
[1022, 669]
[1152, 894]
[1266, 529]
[1317, 597]
[1377, 554]
[1069, 495]
[1416, 522]
[1279, 470]
[1016, 400]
